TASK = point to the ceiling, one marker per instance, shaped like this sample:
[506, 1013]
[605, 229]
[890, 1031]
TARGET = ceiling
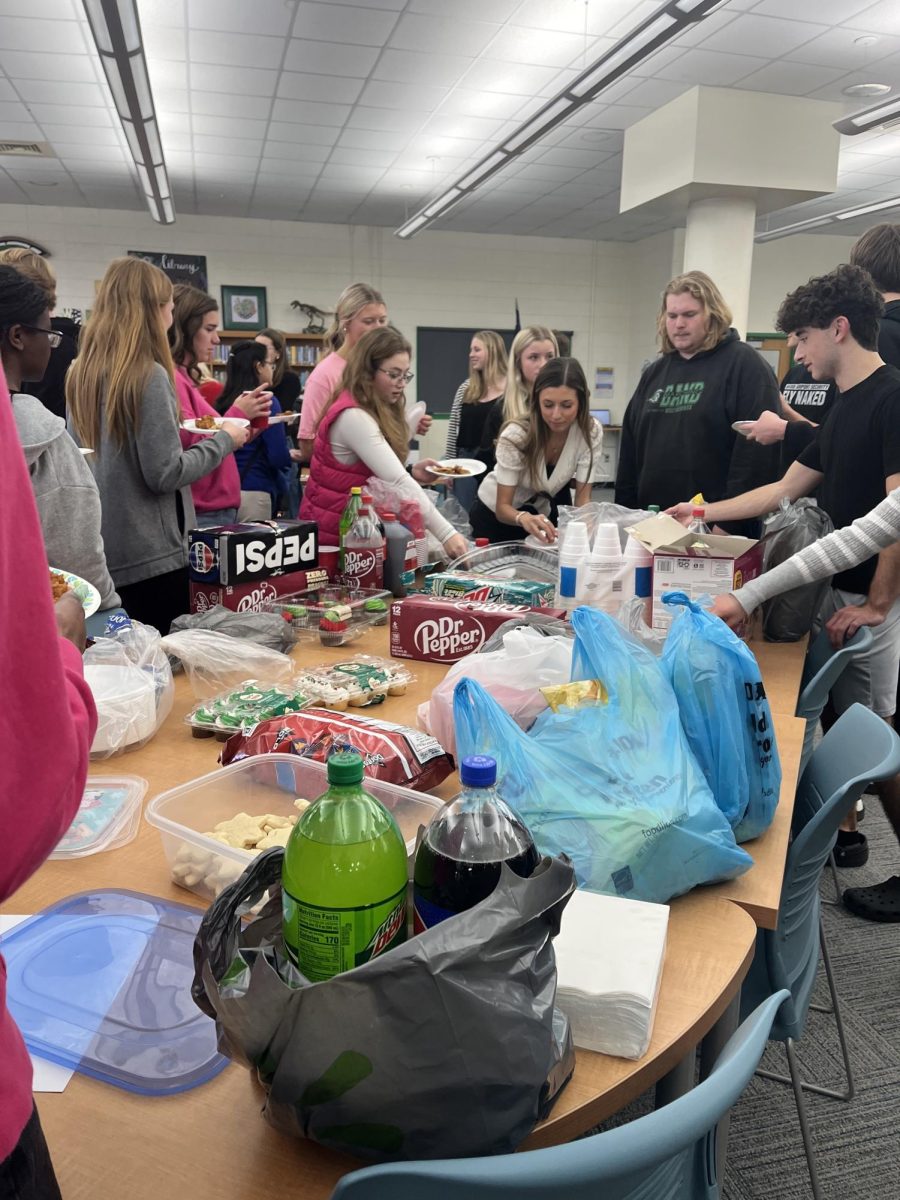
[359, 112]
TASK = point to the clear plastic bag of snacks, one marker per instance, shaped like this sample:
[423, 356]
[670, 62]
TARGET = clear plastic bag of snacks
[242, 708]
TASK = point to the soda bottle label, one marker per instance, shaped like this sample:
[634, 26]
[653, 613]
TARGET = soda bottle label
[426, 914]
[326, 941]
[364, 566]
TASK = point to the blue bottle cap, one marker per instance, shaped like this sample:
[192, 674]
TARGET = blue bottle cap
[478, 770]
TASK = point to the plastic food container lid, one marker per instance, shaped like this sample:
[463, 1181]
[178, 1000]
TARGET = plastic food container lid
[101, 982]
[108, 817]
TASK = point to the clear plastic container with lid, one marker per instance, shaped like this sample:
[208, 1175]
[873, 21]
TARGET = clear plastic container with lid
[108, 817]
[466, 843]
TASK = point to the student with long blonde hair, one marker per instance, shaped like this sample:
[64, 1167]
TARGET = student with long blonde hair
[363, 432]
[531, 350]
[473, 403]
[538, 456]
[121, 397]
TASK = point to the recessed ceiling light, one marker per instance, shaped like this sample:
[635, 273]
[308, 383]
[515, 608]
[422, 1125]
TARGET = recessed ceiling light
[867, 39]
[594, 137]
[42, 182]
[867, 89]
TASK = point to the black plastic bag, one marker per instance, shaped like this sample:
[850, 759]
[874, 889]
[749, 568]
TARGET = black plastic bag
[790, 616]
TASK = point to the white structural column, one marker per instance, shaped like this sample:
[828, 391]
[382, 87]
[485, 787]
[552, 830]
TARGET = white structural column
[719, 240]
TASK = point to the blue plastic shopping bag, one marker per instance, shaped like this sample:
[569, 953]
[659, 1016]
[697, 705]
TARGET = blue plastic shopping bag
[725, 715]
[613, 785]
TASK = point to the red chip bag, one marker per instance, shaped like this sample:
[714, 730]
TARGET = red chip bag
[393, 753]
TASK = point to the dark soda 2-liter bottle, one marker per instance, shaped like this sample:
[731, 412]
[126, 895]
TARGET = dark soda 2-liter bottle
[459, 858]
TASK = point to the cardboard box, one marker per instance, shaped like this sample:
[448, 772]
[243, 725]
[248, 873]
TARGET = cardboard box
[457, 585]
[256, 595]
[720, 564]
[438, 629]
[248, 552]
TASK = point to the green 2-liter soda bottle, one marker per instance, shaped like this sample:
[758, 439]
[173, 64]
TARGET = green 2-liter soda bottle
[348, 516]
[343, 878]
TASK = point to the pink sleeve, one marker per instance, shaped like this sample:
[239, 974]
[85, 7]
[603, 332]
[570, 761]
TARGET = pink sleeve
[317, 393]
[48, 720]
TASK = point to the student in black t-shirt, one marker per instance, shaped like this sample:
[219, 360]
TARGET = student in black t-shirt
[854, 461]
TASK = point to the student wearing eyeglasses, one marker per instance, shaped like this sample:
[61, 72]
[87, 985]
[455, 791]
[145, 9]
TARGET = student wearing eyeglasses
[64, 489]
[362, 433]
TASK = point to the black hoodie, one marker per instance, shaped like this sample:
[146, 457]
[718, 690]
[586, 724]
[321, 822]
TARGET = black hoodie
[889, 334]
[677, 438]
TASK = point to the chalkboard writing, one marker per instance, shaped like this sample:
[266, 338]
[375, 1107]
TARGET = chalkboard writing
[180, 268]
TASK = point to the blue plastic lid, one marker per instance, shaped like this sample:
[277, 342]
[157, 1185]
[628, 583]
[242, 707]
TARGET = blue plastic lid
[101, 982]
[478, 770]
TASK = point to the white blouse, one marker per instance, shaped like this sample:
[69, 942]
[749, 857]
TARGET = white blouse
[577, 460]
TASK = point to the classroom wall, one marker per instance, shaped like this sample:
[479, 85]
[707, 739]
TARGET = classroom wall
[782, 265]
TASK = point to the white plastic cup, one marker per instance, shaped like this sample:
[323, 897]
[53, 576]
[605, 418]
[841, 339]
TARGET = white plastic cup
[607, 543]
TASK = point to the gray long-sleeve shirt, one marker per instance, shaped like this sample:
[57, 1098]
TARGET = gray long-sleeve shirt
[838, 551]
[145, 487]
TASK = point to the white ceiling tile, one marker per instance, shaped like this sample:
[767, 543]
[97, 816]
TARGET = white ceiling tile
[293, 151]
[372, 139]
[516, 44]
[71, 114]
[426, 33]
[343, 23]
[488, 76]
[496, 11]
[230, 165]
[242, 81]
[758, 35]
[786, 78]
[293, 130]
[330, 58]
[651, 92]
[237, 127]
[496, 105]
[8, 93]
[166, 73]
[298, 86]
[342, 156]
[31, 33]
[226, 49]
[174, 100]
[262, 16]
[243, 148]
[564, 157]
[163, 43]
[387, 119]
[404, 66]
[13, 110]
[175, 124]
[379, 94]
[442, 124]
[883, 17]
[223, 104]
[20, 64]
[840, 48]
[43, 91]
[75, 135]
[72, 153]
[710, 68]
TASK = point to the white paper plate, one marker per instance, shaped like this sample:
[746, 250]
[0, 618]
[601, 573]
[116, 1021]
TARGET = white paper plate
[191, 426]
[283, 418]
[86, 592]
[472, 466]
[414, 416]
[742, 427]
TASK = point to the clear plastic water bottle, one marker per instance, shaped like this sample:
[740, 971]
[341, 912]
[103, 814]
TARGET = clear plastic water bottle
[464, 846]
[697, 523]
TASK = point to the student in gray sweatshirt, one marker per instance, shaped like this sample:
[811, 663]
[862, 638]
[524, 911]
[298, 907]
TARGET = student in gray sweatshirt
[121, 400]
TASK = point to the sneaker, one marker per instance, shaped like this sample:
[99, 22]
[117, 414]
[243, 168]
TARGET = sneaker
[851, 849]
[878, 903]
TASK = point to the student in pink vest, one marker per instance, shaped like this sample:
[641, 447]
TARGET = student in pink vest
[363, 432]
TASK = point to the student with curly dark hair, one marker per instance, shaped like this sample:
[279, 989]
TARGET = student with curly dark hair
[854, 462]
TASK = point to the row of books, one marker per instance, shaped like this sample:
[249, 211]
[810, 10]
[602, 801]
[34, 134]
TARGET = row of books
[298, 354]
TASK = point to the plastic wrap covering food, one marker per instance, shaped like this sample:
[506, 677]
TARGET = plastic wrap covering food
[215, 661]
[131, 680]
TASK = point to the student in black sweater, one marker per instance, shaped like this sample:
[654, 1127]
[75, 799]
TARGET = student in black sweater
[677, 436]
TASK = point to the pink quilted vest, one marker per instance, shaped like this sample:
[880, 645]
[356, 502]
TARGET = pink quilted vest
[328, 488]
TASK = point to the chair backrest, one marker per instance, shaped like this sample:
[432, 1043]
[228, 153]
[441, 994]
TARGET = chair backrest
[858, 748]
[668, 1153]
[821, 670]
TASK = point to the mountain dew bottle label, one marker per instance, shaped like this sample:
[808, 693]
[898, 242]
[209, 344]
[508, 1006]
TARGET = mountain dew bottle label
[344, 878]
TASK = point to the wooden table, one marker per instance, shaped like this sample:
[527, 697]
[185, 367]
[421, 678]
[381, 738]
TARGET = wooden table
[212, 1143]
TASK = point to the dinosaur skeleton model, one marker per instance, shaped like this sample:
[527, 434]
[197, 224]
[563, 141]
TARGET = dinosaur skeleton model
[314, 316]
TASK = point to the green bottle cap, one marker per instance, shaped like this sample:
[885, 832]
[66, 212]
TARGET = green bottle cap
[345, 767]
[654, 508]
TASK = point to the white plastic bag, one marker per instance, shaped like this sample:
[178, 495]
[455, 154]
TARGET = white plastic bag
[513, 675]
[215, 661]
[131, 681]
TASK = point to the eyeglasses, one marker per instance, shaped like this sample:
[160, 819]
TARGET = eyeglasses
[54, 338]
[396, 376]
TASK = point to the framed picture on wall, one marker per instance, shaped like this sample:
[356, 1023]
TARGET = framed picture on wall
[244, 308]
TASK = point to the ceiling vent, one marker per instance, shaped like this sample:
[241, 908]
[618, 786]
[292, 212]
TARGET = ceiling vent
[27, 149]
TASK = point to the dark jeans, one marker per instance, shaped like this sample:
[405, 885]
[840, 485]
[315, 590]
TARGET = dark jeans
[28, 1172]
[157, 601]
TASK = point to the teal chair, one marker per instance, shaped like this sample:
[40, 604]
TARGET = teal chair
[858, 748]
[667, 1155]
[821, 670]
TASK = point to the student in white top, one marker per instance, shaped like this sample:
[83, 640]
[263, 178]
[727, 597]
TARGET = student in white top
[538, 456]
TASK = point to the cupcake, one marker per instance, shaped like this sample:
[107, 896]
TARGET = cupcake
[377, 610]
[334, 623]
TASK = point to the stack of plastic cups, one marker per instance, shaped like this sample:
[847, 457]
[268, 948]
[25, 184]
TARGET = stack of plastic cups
[639, 564]
[573, 557]
[605, 584]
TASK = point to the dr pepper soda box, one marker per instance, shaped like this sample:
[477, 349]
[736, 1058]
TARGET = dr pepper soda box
[255, 596]
[437, 629]
[247, 553]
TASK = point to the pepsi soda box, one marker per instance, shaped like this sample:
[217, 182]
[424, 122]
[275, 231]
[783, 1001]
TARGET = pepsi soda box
[247, 553]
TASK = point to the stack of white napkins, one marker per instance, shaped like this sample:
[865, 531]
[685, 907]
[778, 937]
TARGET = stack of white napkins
[609, 959]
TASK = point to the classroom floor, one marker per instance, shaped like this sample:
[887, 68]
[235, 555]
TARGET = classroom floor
[858, 1144]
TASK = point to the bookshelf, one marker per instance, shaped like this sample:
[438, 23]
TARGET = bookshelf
[302, 351]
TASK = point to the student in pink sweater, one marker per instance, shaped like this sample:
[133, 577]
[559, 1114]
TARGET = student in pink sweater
[39, 791]
[192, 336]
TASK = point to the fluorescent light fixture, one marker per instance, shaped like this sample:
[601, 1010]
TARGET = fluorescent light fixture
[116, 29]
[771, 235]
[648, 35]
[868, 208]
[869, 118]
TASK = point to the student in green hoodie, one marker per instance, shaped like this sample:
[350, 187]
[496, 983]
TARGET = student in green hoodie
[677, 436]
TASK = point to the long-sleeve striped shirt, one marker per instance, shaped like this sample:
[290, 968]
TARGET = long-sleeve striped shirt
[838, 551]
[453, 422]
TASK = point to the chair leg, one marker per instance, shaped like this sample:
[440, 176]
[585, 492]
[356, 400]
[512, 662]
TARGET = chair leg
[801, 1113]
[837, 882]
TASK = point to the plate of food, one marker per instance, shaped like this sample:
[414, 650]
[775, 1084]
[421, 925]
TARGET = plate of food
[458, 468]
[742, 427]
[209, 425]
[64, 581]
